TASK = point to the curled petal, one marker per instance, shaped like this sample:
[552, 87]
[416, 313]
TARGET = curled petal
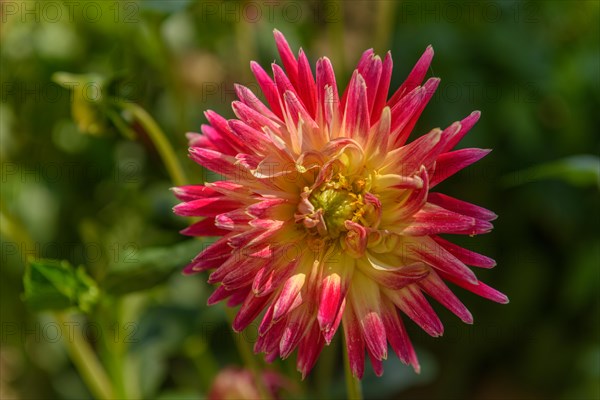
[356, 239]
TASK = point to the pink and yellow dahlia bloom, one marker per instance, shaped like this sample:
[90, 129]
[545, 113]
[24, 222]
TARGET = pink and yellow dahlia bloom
[327, 215]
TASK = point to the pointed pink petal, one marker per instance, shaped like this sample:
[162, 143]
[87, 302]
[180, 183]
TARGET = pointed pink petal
[408, 159]
[270, 277]
[415, 77]
[268, 341]
[371, 72]
[202, 265]
[250, 309]
[355, 346]
[216, 162]
[267, 322]
[206, 227]
[209, 207]
[266, 208]
[436, 288]
[247, 97]
[287, 57]
[378, 139]
[243, 275]
[466, 125]
[268, 87]
[374, 335]
[432, 220]
[382, 88]
[430, 252]
[447, 164]
[309, 349]
[365, 298]
[412, 303]
[236, 220]
[362, 63]
[290, 296]
[212, 139]
[258, 142]
[356, 121]
[282, 81]
[399, 278]
[238, 297]
[232, 265]
[211, 257]
[221, 128]
[404, 119]
[326, 79]
[334, 287]
[297, 110]
[466, 256]
[480, 289]
[306, 85]
[329, 334]
[193, 192]
[296, 327]
[219, 294]
[254, 119]
[461, 207]
[377, 365]
[397, 335]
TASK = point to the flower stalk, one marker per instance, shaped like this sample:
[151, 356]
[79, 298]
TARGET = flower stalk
[88, 365]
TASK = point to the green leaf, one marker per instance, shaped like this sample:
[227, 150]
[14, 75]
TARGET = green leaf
[580, 170]
[56, 285]
[149, 267]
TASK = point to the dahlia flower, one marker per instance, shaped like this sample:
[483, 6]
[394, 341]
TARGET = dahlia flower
[238, 384]
[327, 215]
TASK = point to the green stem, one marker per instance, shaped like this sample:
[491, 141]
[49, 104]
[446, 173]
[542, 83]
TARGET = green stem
[115, 347]
[353, 388]
[249, 359]
[325, 367]
[159, 139]
[87, 364]
[384, 23]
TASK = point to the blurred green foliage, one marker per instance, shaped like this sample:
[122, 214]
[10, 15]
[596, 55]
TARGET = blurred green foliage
[83, 182]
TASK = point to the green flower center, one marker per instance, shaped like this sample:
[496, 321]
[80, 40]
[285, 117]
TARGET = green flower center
[339, 201]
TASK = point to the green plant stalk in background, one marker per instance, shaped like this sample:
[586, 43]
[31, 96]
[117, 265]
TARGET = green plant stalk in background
[159, 139]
